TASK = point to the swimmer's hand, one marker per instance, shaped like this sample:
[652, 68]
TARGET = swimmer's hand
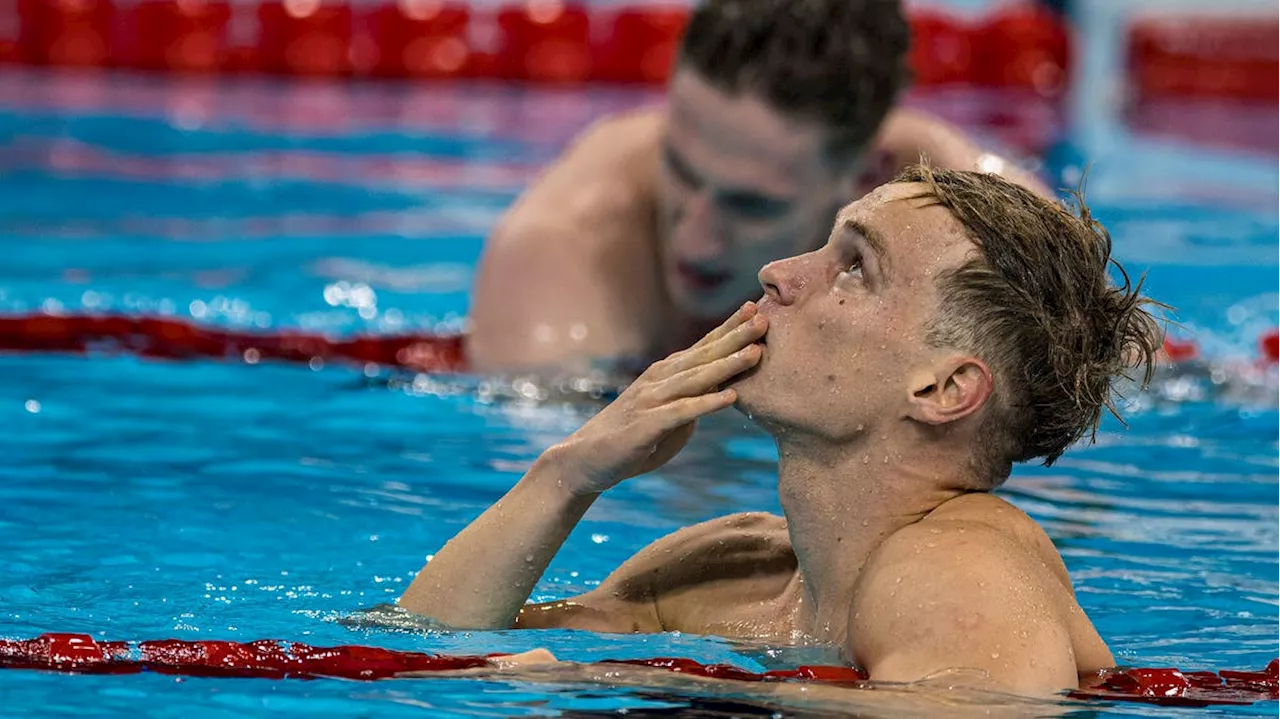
[652, 420]
[532, 658]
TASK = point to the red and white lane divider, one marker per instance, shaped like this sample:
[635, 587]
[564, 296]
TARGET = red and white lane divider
[1020, 45]
[176, 338]
[271, 659]
[1172, 56]
[172, 338]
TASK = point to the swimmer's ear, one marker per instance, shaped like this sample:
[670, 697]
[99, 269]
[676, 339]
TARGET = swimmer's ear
[952, 389]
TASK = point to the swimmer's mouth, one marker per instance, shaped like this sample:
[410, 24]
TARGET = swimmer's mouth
[700, 280]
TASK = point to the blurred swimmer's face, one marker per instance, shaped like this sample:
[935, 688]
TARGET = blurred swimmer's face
[742, 185]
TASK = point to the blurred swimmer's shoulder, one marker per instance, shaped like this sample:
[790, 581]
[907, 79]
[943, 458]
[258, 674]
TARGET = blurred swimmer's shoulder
[908, 135]
[569, 271]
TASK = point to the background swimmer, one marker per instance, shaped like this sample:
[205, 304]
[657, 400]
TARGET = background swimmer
[649, 230]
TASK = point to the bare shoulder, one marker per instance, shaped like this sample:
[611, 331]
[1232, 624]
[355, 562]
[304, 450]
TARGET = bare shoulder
[1008, 525]
[603, 176]
[976, 584]
[683, 581]
[570, 272]
[728, 576]
[978, 527]
[681, 558]
[908, 136]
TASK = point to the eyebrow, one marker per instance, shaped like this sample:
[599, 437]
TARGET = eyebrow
[874, 239]
[682, 168]
[678, 164]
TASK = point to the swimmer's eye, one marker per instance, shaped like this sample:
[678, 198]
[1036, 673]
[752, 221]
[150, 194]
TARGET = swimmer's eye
[683, 173]
[754, 207]
[854, 268]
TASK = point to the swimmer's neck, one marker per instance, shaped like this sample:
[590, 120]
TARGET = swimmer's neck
[842, 503]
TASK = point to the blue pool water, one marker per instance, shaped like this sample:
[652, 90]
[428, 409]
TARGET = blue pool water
[209, 500]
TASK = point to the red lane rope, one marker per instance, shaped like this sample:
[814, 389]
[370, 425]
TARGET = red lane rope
[272, 659]
[171, 338]
[1022, 45]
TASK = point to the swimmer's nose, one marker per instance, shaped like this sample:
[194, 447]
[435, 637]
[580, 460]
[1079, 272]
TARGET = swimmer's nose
[778, 281]
[697, 237]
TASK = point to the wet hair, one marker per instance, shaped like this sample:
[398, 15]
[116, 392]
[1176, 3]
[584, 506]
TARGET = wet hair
[1037, 304]
[839, 63]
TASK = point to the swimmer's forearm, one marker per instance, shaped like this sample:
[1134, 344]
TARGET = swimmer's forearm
[484, 575]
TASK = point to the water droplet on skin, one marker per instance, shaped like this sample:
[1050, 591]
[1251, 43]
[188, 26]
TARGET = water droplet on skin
[995, 655]
[528, 558]
[865, 522]
[935, 530]
[898, 580]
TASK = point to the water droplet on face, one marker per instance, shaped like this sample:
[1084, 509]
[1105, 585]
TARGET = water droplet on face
[995, 655]
[898, 580]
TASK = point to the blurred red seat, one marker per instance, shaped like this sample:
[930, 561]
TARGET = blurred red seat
[418, 38]
[183, 35]
[1192, 56]
[545, 40]
[304, 37]
[641, 44]
[941, 49]
[1024, 47]
[65, 32]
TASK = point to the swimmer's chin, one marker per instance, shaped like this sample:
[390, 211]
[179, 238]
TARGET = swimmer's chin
[743, 384]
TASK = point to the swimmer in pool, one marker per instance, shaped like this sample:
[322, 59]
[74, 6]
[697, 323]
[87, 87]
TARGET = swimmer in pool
[650, 229]
[953, 324]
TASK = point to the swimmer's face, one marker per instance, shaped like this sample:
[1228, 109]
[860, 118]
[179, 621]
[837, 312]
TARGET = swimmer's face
[846, 340]
[741, 185]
